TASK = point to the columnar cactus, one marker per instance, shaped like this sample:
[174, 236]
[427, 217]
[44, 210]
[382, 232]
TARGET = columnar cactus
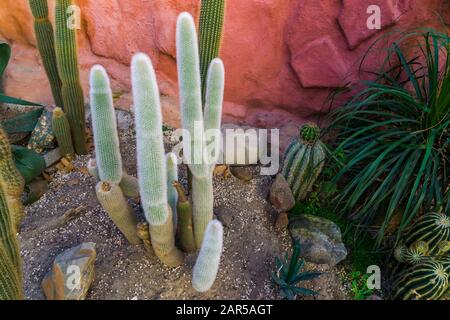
[207, 265]
[46, 45]
[195, 122]
[185, 225]
[11, 181]
[152, 172]
[210, 35]
[104, 125]
[67, 61]
[172, 194]
[61, 130]
[303, 161]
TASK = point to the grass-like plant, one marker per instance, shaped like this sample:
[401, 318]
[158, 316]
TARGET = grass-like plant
[395, 137]
[289, 273]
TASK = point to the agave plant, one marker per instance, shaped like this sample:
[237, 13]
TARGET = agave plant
[289, 274]
[395, 136]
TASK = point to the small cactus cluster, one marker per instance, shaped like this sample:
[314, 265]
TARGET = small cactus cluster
[11, 186]
[212, 14]
[424, 256]
[45, 43]
[167, 209]
[67, 61]
[303, 161]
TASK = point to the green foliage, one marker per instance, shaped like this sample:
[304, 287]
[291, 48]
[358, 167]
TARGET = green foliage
[395, 138]
[358, 283]
[24, 122]
[29, 163]
[45, 42]
[289, 273]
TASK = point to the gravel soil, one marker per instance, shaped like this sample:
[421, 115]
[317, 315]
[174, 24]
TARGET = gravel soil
[123, 271]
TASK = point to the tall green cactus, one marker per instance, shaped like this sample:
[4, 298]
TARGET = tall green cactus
[104, 125]
[46, 46]
[61, 130]
[193, 119]
[210, 35]
[11, 181]
[172, 175]
[207, 265]
[152, 174]
[10, 261]
[67, 60]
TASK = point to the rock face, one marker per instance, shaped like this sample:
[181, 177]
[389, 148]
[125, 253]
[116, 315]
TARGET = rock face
[280, 195]
[320, 239]
[72, 274]
[280, 64]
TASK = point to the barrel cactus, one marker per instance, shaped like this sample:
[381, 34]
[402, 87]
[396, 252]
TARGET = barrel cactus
[304, 161]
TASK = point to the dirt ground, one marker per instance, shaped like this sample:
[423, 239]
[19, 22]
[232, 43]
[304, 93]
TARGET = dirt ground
[123, 271]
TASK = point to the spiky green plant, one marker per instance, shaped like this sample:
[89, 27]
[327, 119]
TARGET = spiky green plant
[11, 181]
[303, 161]
[395, 136]
[46, 44]
[194, 120]
[104, 125]
[67, 61]
[207, 264]
[42, 136]
[289, 273]
[61, 130]
[210, 35]
[152, 172]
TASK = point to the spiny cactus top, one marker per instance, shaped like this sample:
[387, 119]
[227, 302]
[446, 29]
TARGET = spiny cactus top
[309, 133]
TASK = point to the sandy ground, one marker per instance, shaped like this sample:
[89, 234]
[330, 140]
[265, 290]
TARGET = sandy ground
[123, 271]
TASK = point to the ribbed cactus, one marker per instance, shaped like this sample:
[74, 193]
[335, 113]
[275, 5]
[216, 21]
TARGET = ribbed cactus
[210, 35]
[46, 45]
[207, 265]
[152, 172]
[172, 175]
[67, 61]
[11, 181]
[185, 225]
[61, 130]
[10, 261]
[193, 119]
[104, 125]
[303, 161]
[114, 202]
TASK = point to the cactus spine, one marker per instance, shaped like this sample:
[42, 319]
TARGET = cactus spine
[210, 35]
[46, 46]
[107, 149]
[303, 161]
[67, 61]
[10, 261]
[113, 201]
[11, 181]
[207, 265]
[152, 174]
[194, 121]
[61, 129]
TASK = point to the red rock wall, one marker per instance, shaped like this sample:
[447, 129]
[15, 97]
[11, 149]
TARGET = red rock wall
[282, 57]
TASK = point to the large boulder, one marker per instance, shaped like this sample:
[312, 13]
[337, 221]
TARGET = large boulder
[72, 273]
[320, 239]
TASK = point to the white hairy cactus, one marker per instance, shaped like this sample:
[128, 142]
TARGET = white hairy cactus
[207, 264]
[194, 120]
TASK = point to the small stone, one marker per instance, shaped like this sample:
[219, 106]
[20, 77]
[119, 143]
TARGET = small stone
[225, 216]
[320, 239]
[243, 173]
[280, 195]
[72, 274]
[282, 221]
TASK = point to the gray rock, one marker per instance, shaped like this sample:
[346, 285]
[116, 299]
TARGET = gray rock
[124, 119]
[243, 173]
[72, 274]
[320, 239]
[225, 215]
[280, 195]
